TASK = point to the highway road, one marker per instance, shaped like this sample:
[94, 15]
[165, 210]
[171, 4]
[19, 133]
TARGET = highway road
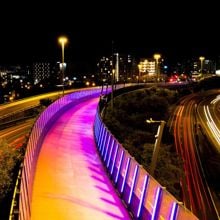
[26, 103]
[19, 109]
[209, 117]
[16, 135]
[196, 193]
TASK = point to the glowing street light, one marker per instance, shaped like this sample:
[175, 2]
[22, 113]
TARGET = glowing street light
[157, 57]
[202, 59]
[157, 144]
[63, 40]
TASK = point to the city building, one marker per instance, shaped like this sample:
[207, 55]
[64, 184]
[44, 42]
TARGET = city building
[124, 66]
[41, 72]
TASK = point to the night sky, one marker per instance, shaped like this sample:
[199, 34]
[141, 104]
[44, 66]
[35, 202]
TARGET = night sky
[180, 30]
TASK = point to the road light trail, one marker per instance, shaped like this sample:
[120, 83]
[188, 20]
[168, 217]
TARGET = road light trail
[16, 135]
[212, 126]
[200, 201]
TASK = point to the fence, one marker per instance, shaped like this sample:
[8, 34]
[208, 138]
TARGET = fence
[143, 195]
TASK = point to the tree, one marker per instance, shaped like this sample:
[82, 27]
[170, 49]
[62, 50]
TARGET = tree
[9, 158]
[127, 122]
[45, 102]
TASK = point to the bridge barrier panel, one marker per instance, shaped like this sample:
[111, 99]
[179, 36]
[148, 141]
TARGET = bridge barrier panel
[144, 197]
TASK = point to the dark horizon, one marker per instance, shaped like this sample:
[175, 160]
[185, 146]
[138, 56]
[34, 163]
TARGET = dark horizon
[178, 32]
[81, 46]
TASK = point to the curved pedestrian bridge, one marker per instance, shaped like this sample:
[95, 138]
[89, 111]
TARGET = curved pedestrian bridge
[74, 169]
[70, 181]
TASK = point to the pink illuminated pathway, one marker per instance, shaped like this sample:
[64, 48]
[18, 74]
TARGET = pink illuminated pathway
[70, 181]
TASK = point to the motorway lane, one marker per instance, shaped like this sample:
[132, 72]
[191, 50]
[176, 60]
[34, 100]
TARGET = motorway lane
[209, 117]
[199, 201]
[19, 105]
[16, 135]
[26, 103]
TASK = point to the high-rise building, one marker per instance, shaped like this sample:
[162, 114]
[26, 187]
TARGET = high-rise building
[104, 68]
[124, 66]
[127, 67]
[41, 71]
[147, 69]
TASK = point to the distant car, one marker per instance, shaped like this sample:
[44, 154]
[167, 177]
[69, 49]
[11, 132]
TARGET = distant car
[196, 77]
[173, 78]
[8, 98]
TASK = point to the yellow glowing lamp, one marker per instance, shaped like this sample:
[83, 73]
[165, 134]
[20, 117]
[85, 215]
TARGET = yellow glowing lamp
[157, 56]
[63, 40]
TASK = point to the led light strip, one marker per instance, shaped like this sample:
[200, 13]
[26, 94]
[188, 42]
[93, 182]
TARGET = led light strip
[126, 173]
[113, 163]
[119, 166]
[174, 211]
[133, 183]
[156, 203]
[143, 192]
[110, 153]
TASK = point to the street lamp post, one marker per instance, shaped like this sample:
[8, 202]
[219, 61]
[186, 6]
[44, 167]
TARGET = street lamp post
[139, 72]
[157, 144]
[202, 59]
[157, 57]
[112, 93]
[62, 40]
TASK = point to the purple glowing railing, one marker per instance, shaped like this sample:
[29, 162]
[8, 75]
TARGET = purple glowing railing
[44, 122]
[143, 195]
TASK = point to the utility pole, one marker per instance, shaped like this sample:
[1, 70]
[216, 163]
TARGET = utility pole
[157, 144]
[117, 67]
[62, 40]
[113, 77]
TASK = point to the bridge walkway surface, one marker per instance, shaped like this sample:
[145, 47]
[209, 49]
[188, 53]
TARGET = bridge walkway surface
[70, 181]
